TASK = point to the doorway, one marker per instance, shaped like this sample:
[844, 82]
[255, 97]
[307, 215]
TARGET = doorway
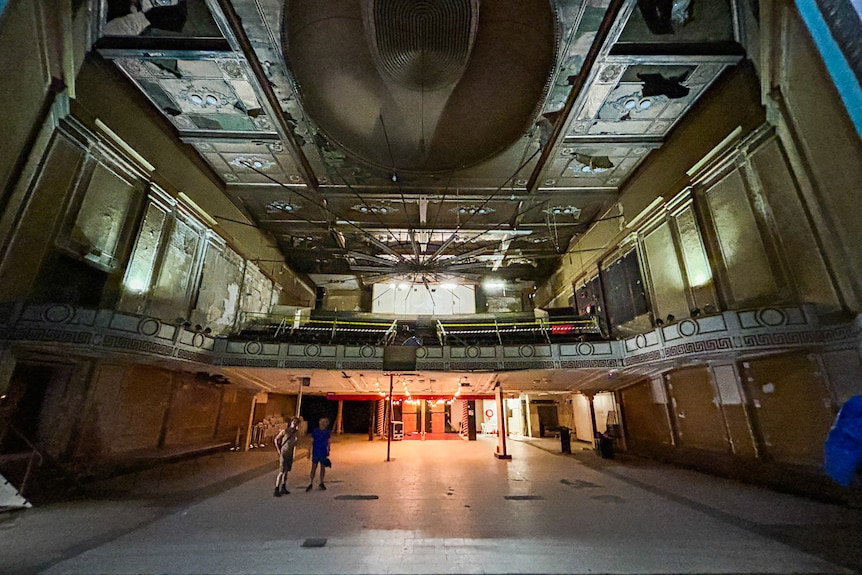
[549, 422]
[428, 419]
[21, 406]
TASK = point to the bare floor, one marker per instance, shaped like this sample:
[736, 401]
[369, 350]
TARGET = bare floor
[434, 507]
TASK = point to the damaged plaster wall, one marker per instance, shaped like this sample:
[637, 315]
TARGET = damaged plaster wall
[170, 297]
[256, 296]
[218, 296]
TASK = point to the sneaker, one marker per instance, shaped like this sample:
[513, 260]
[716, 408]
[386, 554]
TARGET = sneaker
[323, 487]
[310, 485]
[284, 490]
[276, 492]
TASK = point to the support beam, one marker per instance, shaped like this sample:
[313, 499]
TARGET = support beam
[578, 86]
[502, 427]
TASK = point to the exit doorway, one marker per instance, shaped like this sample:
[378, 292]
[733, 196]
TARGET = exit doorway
[428, 419]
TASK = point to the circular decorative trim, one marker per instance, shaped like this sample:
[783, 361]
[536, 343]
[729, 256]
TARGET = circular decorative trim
[472, 351]
[527, 350]
[149, 326]
[421, 352]
[57, 313]
[585, 349]
[312, 350]
[610, 73]
[366, 351]
[198, 340]
[688, 327]
[253, 347]
[771, 316]
[640, 341]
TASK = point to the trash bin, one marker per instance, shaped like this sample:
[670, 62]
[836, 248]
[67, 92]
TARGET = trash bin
[605, 445]
[565, 440]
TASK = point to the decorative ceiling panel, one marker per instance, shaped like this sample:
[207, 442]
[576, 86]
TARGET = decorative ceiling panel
[255, 162]
[679, 22]
[645, 100]
[212, 96]
[594, 164]
[577, 24]
[515, 137]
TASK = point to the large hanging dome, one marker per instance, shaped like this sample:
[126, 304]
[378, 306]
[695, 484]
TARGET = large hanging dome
[420, 85]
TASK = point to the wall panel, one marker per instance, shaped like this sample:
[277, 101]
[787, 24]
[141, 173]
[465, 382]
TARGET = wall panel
[792, 407]
[256, 294]
[665, 274]
[235, 410]
[695, 409]
[177, 272]
[734, 410]
[127, 408]
[26, 78]
[828, 148]
[193, 412]
[645, 417]
[748, 276]
[798, 243]
[39, 219]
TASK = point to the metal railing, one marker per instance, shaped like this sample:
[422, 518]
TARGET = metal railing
[34, 454]
[498, 330]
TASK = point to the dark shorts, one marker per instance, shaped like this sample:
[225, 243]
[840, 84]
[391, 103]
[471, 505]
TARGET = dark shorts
[318, 458]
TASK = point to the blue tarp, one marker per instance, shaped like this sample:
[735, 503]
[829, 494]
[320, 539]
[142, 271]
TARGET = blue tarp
[842, 452]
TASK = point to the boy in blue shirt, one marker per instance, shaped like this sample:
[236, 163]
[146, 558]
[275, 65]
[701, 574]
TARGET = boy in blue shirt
[320, 451]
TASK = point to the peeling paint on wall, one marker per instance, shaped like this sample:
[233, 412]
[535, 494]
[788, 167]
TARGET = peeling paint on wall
[218, 296]
[257, 291]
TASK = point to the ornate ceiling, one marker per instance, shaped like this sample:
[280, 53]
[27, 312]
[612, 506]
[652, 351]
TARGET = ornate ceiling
[435, 139]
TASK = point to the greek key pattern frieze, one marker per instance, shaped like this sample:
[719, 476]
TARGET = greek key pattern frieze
[124, 333]
[253, 362]
[708, 345]
[432, 365]
[307, 364]
[6, 311]
[484, 366]
[49, 335]
[143, 346]
[76, 337]
[589, 363]
[512, 365]
[643, 358]
[790, 338]
[376, 365]
[194, 356]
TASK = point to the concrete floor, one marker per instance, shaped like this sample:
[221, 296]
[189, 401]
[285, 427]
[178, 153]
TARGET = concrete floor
[435, 507]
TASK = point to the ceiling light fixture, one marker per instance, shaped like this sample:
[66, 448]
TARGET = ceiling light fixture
[564, 211]
[280, 206]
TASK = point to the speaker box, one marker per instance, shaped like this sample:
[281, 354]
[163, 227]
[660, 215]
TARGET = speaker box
[399, 358]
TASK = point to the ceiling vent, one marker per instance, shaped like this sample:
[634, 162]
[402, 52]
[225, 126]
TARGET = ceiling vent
[421, 44]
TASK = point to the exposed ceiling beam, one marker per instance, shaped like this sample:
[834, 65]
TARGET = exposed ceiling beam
[602, 35]
[234, 23]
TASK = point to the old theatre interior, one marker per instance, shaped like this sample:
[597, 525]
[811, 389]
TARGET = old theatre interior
[631, 220]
